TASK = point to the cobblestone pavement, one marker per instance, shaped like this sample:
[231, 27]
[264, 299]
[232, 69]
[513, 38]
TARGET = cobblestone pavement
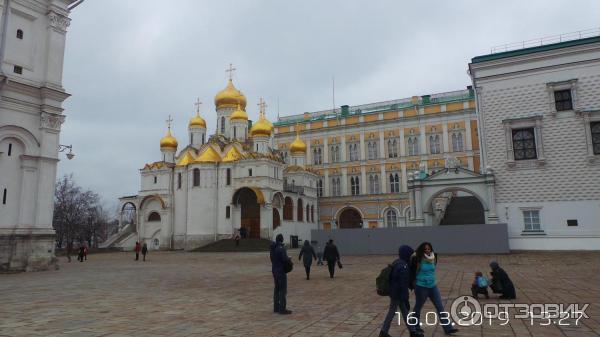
[230, 294]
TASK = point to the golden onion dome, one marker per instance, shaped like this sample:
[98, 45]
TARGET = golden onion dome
[168, 141]
[260, 128]
[230, 97]
[197, 121]
[239, 114]
[298, 146]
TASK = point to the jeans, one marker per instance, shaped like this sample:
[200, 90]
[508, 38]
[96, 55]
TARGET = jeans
[331, 267]
[404, 306]
[421, 294]
[307, 270]
[319, 259]
[280, 291]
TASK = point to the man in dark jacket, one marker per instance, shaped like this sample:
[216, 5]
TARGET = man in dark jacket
[309, 253]
[278, 259]
[331, 255]
[399, 281]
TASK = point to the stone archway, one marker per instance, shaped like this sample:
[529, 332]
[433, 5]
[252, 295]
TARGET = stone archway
[248, 201]
[350, 218]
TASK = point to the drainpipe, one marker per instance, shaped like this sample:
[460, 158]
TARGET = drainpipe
[217, 212]
[172, 191]
[4, 31]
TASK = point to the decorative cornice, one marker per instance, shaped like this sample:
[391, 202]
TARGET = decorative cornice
[58, 21]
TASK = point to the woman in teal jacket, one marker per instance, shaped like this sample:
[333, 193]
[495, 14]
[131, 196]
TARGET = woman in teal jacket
[423, 265]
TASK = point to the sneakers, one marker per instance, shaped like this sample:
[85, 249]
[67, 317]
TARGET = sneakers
[285, 312]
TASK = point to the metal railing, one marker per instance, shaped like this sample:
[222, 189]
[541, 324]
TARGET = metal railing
[293, 188]
[581, 34]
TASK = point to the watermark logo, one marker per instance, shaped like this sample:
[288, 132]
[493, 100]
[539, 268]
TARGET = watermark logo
[467, 310]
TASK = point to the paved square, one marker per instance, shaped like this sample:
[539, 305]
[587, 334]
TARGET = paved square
[230, 294]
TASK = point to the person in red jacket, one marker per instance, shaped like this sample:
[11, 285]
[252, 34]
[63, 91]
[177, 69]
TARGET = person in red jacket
[138, 247]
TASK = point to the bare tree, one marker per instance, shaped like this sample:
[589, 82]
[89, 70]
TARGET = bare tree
[78, 215]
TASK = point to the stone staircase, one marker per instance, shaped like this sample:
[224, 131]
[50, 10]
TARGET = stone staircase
[463, 211]
[228, 245]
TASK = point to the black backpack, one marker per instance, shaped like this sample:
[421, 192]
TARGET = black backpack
[382, 282]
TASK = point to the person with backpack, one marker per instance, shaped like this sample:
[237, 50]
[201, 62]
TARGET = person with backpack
[331, 255]
[309, 253]
[280, 265]
[396, 278]
[501, 283]
[480, 285]
[423, 266]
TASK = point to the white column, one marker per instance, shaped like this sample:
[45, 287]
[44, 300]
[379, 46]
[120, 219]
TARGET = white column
[423, 140]
[364, 188]
[401, 143]
[326, 192]
[404, 178]
[445, 137]
[468, 142]
[383, 181]
[343, 149]
[308, 160]
[362, 146]
[382, 153]
[325, 151]
[344, 181]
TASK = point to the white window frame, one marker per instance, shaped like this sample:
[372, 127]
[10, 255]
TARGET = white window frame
[590, 117]
[532, 209]
[387, 217]
[535, 122]
[562, 85]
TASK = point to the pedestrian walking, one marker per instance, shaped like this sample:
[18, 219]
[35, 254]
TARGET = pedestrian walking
[137, 249]
[309, 254]
[80, 254]
[423, 265]
[280, 264]
[69, 250]
[144, 250]
[85, 252]
[237, 238]
[332, 256]
[501, 283]
[399, 282]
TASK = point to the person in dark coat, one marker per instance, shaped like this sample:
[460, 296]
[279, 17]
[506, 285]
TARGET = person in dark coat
[399, 281]
[331, 255]
[501, 283]
[138, 248]
[81, 253]
[279, 258]
[309, 254]
[144, 250]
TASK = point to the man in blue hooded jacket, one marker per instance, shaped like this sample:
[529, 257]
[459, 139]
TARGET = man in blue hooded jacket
[399, 281]
[278, 259]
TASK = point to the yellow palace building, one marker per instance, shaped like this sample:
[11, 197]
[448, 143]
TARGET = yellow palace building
[365, 154]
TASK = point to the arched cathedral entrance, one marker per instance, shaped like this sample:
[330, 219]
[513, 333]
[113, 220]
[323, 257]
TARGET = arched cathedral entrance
[350, 218]
[247, 200]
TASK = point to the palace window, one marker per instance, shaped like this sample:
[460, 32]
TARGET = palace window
[317, 156]
[391, 218]
[563, 100]
[394, 183]
[457, 142]
[299, 210]
[413, 146]
[196, 177]
[18, 70]
[372, 150]
[20, 34]
[249, 172]
[353, 151]
[320, 188]
[524, 144]
[155, 179]
[202, 139]
[179, 180]
[4, 197]
[531, 220]
[288, 209]
[434, 144]
[9, 149]
[335, 153]
[392, 148]
[373, 184]
[228, 180]
[595, 128]
[227, 212]
[336, 187]
[223, 125]
[355, 185]
[307, 213]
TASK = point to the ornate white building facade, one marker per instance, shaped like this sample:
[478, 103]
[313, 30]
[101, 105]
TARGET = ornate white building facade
[218, 184]
[539, 121]
[32, 48]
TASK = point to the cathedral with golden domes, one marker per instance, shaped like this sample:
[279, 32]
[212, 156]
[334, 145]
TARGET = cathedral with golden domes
[216, 186]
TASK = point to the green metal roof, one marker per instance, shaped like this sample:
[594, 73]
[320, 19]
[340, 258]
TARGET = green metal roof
[531, 50]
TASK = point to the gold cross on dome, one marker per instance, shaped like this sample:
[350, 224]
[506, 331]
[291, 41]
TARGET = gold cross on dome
[169, 121]
[230, 70]
[262, 105]
[198, 104]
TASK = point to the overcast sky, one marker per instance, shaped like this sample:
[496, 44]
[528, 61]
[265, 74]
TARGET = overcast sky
[131, 63]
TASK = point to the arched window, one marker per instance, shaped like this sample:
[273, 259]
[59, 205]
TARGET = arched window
[300, 210]
[312, 213]
[373, 184]
[457, 142]
[154, 216]
[434, 144]
[413, 146]
[320, 188]
[196, 177]
[288, 209]
[223, 125]
[391, 218]
[155, 179]
[19, 34]
[354, 185]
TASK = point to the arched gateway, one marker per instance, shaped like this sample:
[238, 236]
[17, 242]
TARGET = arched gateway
[248, 200]
[350, 218]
